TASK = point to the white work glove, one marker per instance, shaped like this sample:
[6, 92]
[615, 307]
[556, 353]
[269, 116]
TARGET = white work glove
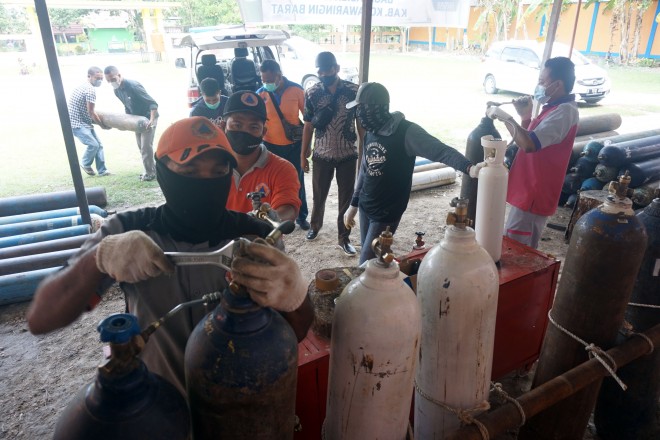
[131, 257]
[271, 277]
[494, 112]
[474, 169]
[349, 217]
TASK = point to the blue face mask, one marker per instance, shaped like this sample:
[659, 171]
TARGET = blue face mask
[270, 87]
[539, 94]
[97, 82]
[212, 106]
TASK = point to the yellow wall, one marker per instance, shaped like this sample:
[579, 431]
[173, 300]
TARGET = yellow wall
[600, 40]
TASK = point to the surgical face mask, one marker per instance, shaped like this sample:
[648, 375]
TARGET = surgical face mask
[243, 143]
[97, 82]
[115, 84]
[328, 80]
[270, 87]
[212, 106]
[539, 94]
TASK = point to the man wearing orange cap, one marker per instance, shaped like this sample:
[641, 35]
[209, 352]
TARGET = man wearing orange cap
[194, 168]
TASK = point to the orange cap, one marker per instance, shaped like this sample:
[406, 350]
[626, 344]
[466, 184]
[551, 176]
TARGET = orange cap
[188, 138]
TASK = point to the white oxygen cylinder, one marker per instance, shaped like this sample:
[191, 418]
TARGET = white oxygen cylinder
[491, 197]
[457, 288]
[375, 343]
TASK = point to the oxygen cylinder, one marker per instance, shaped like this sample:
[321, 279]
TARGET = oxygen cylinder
[643, 195]
[571, 200]
[475, 153]
[637, 150]
[602, 261]
[591, 184]
[642, 172]
[373, 355]
[241, 366]
[457, 286]
[584, 167]
[125, 401]
[572, 183]
[590, 150]
[491, 197]
[631, 415]
[510, 155]
[605, 174]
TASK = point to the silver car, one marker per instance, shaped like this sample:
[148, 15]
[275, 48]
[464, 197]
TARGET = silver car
[515, 65]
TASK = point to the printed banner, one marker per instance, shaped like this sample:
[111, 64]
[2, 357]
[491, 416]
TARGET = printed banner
[442, 13]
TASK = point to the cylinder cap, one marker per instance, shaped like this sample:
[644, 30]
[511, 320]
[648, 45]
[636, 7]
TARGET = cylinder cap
[118, 328]
[326, 280]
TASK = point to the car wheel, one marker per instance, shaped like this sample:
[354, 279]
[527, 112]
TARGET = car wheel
[309, 82]
[592, 100]
[490, 86]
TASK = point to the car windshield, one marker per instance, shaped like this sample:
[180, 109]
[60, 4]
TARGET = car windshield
[560, 50]
[305, 49]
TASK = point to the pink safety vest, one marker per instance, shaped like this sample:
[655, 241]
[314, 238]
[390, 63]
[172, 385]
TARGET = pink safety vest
[535, 179]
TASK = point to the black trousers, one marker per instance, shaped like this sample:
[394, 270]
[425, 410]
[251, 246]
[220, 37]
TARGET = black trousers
[322, 175]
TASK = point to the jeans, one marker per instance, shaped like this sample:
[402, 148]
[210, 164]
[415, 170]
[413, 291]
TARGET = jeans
[322, 175]
[291, 153]
[145, 143]
[94, 150]
[370, 230]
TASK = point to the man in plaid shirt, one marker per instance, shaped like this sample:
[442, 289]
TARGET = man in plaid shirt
[82, 114]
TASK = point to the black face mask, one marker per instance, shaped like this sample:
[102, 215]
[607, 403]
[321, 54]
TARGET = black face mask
[373, 116]
[243, 143]
[194, 209]
[328, 80]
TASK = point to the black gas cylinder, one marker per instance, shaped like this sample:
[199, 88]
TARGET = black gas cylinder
[125, 401]
[475, 153]
[241, 368]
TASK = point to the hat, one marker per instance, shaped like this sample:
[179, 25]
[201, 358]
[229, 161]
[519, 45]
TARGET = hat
[188, 138]
[325, 60]
[245, 101]
[370, 93]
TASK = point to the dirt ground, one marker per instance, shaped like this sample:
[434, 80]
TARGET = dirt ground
[40, 374]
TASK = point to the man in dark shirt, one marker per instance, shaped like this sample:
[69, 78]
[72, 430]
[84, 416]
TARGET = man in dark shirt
[212, 102]
[391, 145]
[137, 101]
[335, 144]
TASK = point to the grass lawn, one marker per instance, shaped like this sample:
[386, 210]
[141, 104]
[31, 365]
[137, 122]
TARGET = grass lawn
[440, 92]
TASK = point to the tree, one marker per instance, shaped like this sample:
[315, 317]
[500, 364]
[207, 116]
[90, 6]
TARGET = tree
[13, 21]
[62, 18]
[208, 12]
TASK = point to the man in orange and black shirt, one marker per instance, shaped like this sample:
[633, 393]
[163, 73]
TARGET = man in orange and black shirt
[257, 169]
[289, 97]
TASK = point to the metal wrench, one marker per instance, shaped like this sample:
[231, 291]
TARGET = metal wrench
[221, 257]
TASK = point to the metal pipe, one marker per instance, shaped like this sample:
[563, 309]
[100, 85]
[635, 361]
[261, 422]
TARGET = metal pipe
[34, 262]
[577, 17]
[39, 225]
[62, 109]
[48, 201]
[365, 43]
[37, 237]
[43, 247]
[43, 215]
[544, 396]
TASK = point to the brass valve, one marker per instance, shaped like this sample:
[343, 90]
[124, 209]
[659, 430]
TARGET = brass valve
[419, 241]
[382, 247]
[620, 189]
[459, 217]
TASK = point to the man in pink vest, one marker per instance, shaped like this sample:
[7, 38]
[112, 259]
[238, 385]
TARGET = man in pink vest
[545, 144]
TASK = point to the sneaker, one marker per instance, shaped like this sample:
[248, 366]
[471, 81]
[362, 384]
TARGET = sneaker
[105, 173]
[88, 170]
[312, 234]
[304, 224]
[347, 248]
[147, 177]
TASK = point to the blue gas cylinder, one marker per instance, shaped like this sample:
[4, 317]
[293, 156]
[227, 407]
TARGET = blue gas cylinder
[241, 368]
[125, 401]
[591, 150]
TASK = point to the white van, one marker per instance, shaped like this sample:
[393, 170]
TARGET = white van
[257, 44]
[515, 65]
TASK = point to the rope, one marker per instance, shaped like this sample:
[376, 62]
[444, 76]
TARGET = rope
[464, 415]
[594, 351]
[497, 387]
[650, 306]
[628, 330]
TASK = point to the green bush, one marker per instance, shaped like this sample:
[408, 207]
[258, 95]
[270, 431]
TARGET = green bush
[79, 50]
